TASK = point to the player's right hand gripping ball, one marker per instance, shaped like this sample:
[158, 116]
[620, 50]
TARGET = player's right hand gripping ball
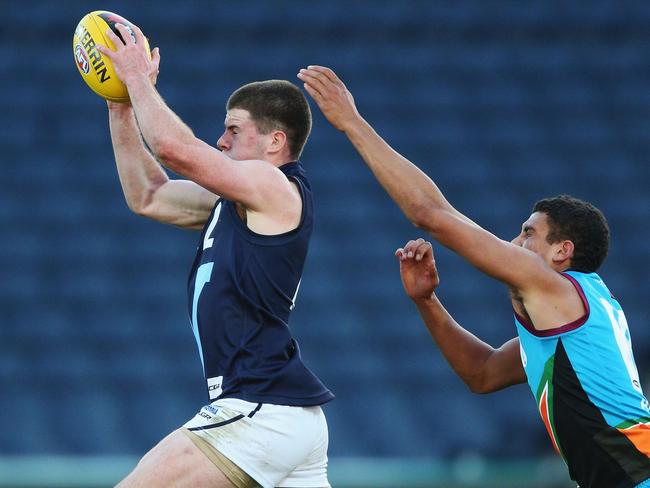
[97, 70]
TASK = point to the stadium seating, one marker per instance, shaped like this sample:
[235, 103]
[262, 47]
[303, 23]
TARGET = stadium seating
[501, 102]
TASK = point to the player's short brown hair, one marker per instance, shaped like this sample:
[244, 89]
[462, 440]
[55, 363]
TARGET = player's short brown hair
[276, 105]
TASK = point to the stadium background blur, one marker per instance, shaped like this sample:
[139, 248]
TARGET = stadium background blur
[502, 102]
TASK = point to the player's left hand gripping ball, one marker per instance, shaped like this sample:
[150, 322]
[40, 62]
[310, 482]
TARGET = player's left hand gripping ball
[96, 69]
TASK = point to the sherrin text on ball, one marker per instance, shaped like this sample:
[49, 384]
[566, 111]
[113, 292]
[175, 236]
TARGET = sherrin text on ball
[97, 70]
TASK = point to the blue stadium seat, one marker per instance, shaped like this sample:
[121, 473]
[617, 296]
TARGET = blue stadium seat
[500, 106]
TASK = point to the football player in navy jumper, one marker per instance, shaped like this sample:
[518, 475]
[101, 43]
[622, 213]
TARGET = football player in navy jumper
[250, 195]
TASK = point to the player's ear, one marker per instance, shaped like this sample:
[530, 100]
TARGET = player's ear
[278, 141]
[564, 251]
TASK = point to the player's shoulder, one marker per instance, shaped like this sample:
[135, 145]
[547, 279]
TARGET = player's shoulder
[584, 278]
[589, 283]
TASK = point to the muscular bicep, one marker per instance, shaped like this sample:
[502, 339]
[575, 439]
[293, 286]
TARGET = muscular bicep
[503, 368]
[181, 203]
[258, 185]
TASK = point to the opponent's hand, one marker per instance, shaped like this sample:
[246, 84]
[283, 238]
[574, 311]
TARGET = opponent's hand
[130, 57]
[331, 95]
[417, 268]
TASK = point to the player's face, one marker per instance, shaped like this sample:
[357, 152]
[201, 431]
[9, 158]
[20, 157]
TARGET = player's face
[241, 140]
[533, 236]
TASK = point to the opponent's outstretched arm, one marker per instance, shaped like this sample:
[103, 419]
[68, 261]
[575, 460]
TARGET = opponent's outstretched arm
[482, 368]
[417, 195]
[259, 186]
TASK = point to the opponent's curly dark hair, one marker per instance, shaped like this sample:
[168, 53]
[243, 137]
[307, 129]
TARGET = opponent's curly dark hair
[276, 105]
[580, 222]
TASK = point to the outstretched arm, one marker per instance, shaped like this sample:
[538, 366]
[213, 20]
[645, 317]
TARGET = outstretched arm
[482, 368]
[417, 195]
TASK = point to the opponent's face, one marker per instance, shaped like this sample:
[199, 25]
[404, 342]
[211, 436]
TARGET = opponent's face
[241, 140]
[533, 236]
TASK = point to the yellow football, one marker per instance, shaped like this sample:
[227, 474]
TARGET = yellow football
[97, 70]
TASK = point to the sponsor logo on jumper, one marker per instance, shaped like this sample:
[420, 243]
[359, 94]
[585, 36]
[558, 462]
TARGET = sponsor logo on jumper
[214, 386]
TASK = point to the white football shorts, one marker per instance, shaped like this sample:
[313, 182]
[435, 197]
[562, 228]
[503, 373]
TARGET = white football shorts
[263, 444]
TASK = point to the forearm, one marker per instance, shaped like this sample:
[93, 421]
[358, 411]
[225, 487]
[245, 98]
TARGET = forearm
[140, 174]
[159, 125]
[465, 353]
[413, 191]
